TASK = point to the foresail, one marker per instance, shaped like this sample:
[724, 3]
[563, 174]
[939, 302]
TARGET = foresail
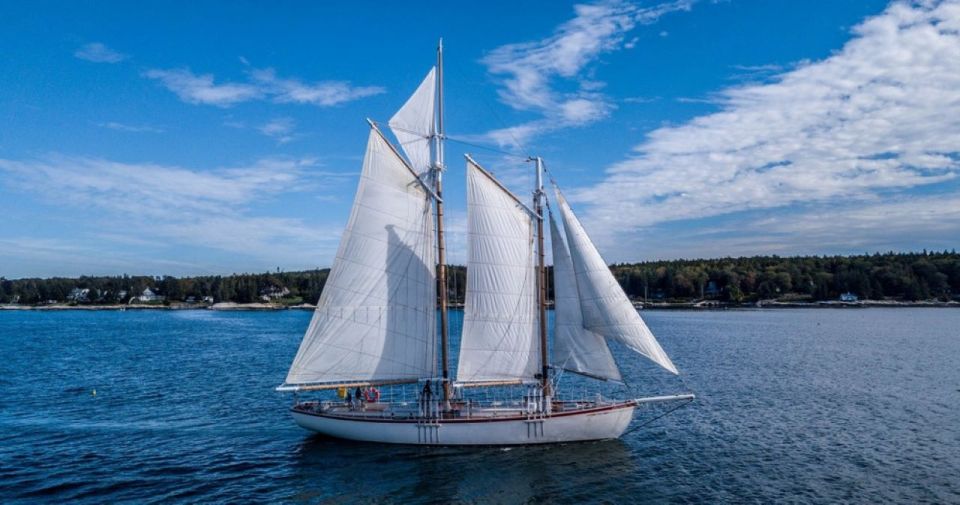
[575, 348]
[606, 309]
[500, 328]
[376, 319]
[413, 124]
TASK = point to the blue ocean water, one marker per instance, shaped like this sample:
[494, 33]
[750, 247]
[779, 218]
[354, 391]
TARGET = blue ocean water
[804, 406]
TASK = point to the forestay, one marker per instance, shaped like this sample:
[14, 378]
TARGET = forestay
[606, 309]
[575, 348]
[376, 319]
[414, 123]
[500, 327]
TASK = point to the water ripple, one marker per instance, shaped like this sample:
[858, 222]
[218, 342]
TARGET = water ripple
[794, 406]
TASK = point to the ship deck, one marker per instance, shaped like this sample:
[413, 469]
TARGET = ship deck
[459, 411]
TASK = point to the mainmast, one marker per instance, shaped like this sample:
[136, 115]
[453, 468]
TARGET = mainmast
[438, 168]
[541, 278]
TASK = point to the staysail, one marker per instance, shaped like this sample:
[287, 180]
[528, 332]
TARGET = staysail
[414, 123]
[575, 348]
[500, 326]
[605, 307]
[376, 319]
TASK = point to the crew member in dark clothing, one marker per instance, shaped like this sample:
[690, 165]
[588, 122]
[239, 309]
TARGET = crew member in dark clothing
[425, 397]
[358, 394]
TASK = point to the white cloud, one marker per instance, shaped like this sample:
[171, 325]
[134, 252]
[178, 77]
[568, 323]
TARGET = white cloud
[113, 125]
[903, 223]
[46, 257]
[201, 89]
[264, 84]
[532, 67]
[281, 128]
[323, 94]
[877, 118]
[192, 208]
[99, 53]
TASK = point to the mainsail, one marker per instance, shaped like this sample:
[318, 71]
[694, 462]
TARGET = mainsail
[500, 339]
[605, 307]
[575, 348]
[414, 123]
[376, 319]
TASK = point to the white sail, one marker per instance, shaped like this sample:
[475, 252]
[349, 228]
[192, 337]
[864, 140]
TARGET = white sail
[606, 309]
[575, 348]
[376, 319]
[414, 123]
[500, 328]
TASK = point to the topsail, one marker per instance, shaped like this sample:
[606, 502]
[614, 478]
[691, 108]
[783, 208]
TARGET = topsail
[415, 123]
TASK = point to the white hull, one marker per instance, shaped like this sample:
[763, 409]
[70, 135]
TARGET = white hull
[603, 422]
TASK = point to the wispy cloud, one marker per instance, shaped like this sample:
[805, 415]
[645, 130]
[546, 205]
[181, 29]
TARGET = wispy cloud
[113, 125]
[323, 94]
[263, 84]
[189, 207]
[641, 99]
[45, 257]
[201, 89]
[855, 227]
[281, 129]
[879, 117]
[531, 69]
[99, 53]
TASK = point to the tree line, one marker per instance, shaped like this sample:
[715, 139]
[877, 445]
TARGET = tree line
[288, 287]
[902, 276]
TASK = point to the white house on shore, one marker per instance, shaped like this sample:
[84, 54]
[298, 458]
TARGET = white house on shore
[79, 295]
[849, 297]
[273, 293]
[149, 296]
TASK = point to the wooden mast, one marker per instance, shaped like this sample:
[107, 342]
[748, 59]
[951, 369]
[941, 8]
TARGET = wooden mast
[541, 280]
[441, 245]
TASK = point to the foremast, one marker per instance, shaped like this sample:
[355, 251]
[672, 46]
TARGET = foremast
[438, 168]
[538, 196]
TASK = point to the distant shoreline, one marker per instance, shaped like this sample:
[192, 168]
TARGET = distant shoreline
[701, 305]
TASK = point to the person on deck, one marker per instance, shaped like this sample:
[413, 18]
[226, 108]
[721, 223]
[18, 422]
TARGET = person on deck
[358, 397]
[425, 397]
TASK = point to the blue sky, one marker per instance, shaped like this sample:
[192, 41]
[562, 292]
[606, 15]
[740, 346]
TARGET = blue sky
[212, 137]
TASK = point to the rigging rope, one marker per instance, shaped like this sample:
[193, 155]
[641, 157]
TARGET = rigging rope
[488, 148]
[474, 84]
[457, 141]
[641, 425]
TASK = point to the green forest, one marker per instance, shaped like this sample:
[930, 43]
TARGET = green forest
[898, 276]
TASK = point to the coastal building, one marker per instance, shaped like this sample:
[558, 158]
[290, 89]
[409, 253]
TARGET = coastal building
[849, 297]
[149, 296]
[273, 293]
[78, 295]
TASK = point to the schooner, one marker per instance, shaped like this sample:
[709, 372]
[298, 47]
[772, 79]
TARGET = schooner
[376, 322]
